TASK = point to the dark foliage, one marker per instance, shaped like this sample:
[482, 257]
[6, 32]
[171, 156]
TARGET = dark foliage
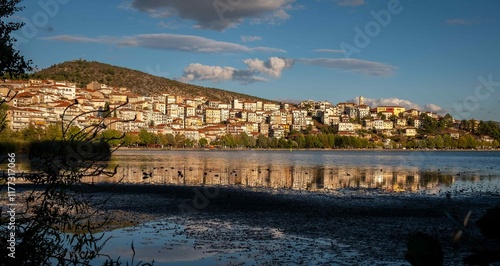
[424, 250]
[58, 219]
[11, 61]
[489, 224]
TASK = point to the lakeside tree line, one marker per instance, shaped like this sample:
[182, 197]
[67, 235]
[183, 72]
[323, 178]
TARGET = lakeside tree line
[325, 139]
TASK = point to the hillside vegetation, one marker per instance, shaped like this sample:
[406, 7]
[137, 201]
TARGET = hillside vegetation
[83, 72]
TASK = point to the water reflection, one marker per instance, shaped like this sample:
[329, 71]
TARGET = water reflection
[308, 170]
[269, 176]
[280, 170]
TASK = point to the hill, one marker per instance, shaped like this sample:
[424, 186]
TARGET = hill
[83, 72]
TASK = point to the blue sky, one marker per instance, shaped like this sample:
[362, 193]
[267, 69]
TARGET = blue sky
[439, 56]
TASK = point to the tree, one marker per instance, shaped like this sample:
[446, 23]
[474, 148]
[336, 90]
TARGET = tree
[113, 137]
[52, 132]
[180, 140]
[146, 137]
[382, 116]
[262, 141]
[429, 124]
[489, 128]
[203, 142]
[447, 120]
[131, 139]
[30, 133]
[3, 114]
[59, 222]
[439, 142]
[11, 61]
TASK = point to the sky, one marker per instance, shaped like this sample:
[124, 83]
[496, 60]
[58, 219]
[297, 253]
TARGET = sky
[441, 56]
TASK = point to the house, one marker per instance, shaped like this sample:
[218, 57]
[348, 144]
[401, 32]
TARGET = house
[348, 133]
[363, 111]
[393, 110]
[345, 127]
[277, 133]
[412, 113]
[215, 130]
[160, 106]
[26, 99]
[369, 124]
[264, 129]
[417, 123]
[487, 138]
[410, 132]
[270, 107]
[252, 117]
[401, 122]
[343, 106]
[189, 110]
[212, 116]
[237, 105]
[388, 124]
[192, 134]
[250, 106]
[213, 104]
[237, 128]
[378, 124]
[252, 127]
[454, 133]
[193, 122]
[117, 98]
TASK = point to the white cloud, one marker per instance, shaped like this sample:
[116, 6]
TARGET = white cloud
[273, 67]
[400, 102]
[350, 2]
[333, 51]
[215, 14]
[216, 74]
[351, 65]
[202, 72]
[389, 102]
[275, 18]
[250, 38]
[434, 108]
[187, 43]
[71, 38]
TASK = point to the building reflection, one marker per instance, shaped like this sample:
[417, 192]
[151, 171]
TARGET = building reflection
[191, 171]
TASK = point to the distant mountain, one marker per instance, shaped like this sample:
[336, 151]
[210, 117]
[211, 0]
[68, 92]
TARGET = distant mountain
[83, 72]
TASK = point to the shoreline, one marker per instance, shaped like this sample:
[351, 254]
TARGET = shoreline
[115, 150]
[314, 149]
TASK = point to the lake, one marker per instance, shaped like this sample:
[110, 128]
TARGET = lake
[253, 238]
[342, 204]
[313, 170]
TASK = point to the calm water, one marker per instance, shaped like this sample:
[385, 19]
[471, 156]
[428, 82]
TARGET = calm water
[171, 242]
[413, 171]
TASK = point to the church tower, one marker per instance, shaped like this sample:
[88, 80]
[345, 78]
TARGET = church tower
[361, 100]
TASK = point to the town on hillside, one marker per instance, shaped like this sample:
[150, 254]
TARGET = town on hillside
[41, 103]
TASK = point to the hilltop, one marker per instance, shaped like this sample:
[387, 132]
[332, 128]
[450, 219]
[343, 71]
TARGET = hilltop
[83, 72]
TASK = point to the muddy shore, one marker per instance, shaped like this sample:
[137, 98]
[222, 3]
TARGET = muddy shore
[374, 224]
[356, 226]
